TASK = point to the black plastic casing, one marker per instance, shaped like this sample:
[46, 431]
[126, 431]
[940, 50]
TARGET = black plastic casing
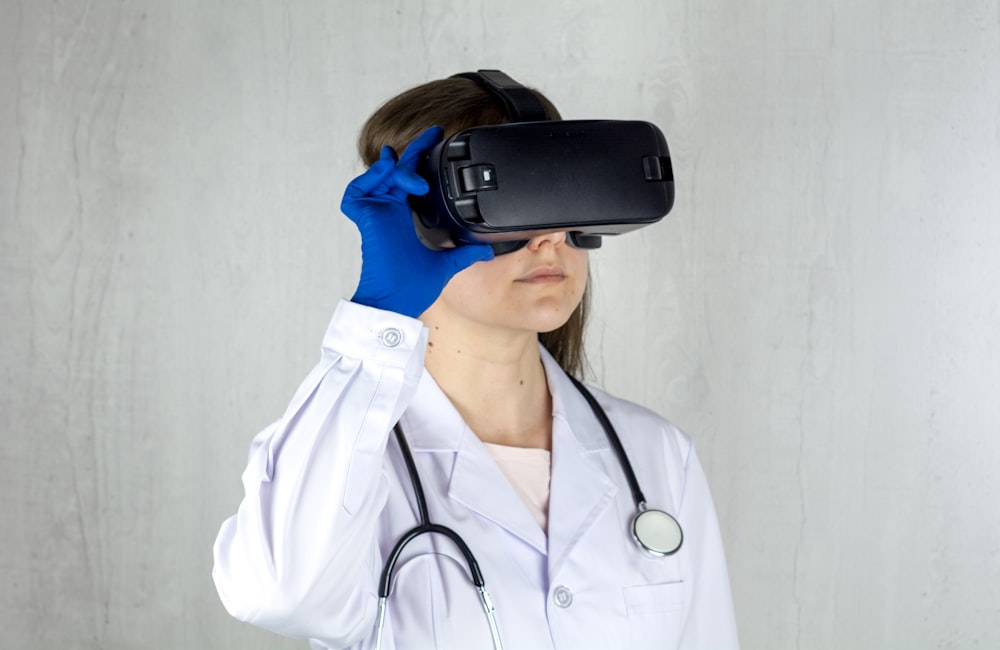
[514, 181]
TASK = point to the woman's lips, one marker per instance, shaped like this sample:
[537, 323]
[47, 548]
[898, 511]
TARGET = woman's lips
[544, 275]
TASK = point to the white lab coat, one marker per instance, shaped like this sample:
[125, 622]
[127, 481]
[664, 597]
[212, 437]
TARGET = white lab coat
[327, 495]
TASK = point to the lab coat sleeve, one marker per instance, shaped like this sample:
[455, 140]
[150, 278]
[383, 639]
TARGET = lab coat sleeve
[300, 557]
[711, 621]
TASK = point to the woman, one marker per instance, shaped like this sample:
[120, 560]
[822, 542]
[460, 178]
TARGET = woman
[469, 352]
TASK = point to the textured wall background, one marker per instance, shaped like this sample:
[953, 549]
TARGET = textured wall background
[820, 310]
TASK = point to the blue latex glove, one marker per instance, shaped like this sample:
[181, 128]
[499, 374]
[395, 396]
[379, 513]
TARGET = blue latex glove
[398, 272]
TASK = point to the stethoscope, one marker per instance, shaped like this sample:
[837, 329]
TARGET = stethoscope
[656, 532]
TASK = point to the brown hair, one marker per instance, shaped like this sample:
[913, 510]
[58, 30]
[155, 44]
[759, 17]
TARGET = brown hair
[456, 104]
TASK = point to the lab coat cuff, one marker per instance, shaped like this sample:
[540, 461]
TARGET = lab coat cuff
[375, 335]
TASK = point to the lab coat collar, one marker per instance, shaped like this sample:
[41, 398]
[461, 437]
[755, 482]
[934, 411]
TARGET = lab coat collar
[432, 423]
[570, 406]
[580, 491]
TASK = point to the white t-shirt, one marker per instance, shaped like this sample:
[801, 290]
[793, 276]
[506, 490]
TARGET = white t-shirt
[529, 471]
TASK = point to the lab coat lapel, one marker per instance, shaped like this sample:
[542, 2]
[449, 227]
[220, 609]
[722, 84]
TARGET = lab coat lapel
[434, 426]
[581, 489]
[478, 483]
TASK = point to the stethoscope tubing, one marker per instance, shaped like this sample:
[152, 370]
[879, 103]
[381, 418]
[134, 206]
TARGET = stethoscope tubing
[633, 483]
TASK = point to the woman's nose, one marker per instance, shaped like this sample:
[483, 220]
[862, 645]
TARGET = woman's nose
[554, 238]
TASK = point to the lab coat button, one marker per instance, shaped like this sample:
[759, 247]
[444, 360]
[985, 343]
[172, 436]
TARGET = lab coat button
[391, 337]
[562, 596]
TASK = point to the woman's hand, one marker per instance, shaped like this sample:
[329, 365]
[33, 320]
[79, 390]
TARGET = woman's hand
[398, 272]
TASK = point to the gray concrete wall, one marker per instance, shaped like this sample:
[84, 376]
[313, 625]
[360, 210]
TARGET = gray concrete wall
[820, 310]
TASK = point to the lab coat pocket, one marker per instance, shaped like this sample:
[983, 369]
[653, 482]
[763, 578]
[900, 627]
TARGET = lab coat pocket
[655, 614]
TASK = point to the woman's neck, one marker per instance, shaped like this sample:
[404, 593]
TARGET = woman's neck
[496, 382]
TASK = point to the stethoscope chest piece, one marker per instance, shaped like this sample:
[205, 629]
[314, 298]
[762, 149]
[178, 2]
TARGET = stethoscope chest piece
[657, 532]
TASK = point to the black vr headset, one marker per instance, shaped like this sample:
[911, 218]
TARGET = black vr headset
[504, 184]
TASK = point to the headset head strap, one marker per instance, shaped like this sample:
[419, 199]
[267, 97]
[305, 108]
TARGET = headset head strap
[521, 104]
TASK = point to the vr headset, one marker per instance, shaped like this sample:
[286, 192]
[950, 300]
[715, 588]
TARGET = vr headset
[505, 184]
